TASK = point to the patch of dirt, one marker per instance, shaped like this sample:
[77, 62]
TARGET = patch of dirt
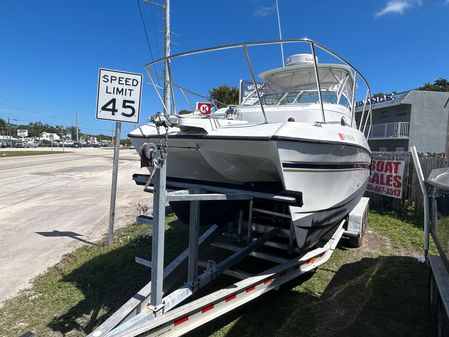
[375, 243]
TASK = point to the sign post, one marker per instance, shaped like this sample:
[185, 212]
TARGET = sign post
[118, 99]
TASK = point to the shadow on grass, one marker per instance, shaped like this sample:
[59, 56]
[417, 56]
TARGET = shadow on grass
[108, 280]
[385, 296]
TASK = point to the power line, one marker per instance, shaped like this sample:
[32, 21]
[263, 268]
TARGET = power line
[145, 29]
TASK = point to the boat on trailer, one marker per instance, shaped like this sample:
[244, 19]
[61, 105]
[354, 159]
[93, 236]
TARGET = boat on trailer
[297, 133]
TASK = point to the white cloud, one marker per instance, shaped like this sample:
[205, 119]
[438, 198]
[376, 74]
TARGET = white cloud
[398, 7]
[264, 11]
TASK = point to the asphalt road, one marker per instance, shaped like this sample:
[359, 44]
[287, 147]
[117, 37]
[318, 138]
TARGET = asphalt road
[52, 204]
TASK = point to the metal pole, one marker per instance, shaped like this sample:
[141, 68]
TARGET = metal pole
[250, 221]
[317, 76]
[159, 194]
[158, 239]
[425, 199]
[255, 83]
[280, 33]
[353, 99]
[167, 84]
[194, 229]
[77, 136]
[9, 133]
[114, 183]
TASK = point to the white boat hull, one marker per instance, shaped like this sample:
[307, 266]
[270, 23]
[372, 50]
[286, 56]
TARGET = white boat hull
[331, 174]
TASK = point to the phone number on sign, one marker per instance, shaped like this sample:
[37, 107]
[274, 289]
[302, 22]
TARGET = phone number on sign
[384, 190]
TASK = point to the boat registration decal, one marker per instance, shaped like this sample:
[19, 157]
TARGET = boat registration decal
[345, 136]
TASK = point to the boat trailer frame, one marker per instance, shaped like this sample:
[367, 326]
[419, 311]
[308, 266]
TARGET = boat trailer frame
[149, 313]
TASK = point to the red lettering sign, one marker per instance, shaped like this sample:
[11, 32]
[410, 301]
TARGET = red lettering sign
[386, 177]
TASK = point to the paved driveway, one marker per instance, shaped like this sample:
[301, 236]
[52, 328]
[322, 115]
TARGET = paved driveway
[51, 204]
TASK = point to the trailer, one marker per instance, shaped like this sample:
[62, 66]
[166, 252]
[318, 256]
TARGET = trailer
[156, 309]
[435, 190]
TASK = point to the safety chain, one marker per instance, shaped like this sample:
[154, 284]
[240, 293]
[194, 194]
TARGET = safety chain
[163, 146]
[155, 156]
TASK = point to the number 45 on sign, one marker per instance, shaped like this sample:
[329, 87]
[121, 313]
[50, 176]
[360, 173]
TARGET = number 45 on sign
[119, 95]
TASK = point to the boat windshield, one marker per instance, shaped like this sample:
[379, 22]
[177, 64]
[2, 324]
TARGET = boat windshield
[298, 86]
[298, 97]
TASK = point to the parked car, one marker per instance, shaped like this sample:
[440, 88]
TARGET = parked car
[76, 145]
[31, 145]
[19, 143]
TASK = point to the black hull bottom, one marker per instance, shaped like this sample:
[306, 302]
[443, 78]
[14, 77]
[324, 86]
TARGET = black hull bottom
[320, 226]
[309, 229]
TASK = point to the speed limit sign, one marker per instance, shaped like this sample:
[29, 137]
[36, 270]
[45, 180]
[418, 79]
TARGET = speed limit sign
[119, 95]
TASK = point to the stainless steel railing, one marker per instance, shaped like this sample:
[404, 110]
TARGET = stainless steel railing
[389, 130]
[366, 113]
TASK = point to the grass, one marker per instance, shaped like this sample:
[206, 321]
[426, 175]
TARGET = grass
[377, 290]
[6, 154]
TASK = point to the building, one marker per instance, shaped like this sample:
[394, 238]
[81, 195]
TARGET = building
[6, 141]
[412, 118]
[50, 137]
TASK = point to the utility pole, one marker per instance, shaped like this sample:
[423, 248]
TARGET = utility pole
[77, 136]
[167, 80]
[9, 130]
[8, 134]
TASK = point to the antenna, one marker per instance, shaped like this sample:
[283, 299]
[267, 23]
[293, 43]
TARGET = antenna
[280, 33]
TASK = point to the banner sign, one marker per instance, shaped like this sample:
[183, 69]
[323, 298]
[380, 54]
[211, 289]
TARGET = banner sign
[247, 88]
[386, 178]
[22, 133]
[205, 108]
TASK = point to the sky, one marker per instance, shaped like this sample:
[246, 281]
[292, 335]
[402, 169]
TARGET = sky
[51, 51]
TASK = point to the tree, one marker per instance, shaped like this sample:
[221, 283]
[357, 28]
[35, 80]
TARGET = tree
[225, 95]
[184, 112]
[3, 127]
[440, 84]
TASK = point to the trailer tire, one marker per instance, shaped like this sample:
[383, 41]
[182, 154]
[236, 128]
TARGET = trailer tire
[355, 242]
